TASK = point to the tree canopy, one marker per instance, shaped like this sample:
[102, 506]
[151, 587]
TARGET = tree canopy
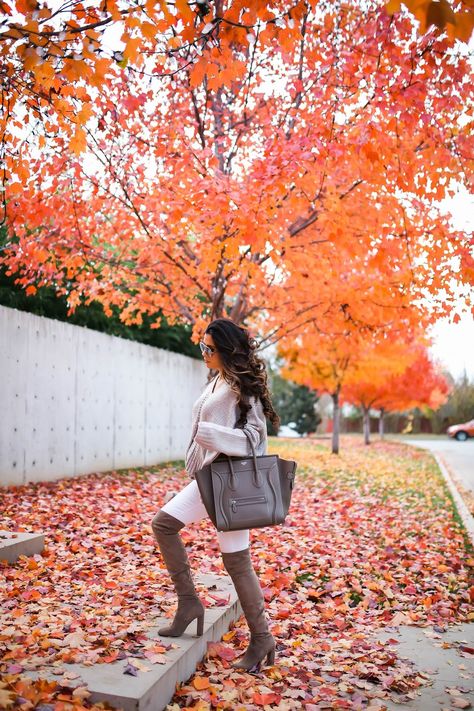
[310, 152]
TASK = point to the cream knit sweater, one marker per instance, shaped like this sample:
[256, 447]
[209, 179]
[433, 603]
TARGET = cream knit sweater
[214, 415]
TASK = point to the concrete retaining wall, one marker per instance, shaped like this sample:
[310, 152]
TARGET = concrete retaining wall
[76, 401]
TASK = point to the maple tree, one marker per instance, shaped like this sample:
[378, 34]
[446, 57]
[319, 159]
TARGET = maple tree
[419, 384]
[238, 186]
[43, 45]
[456, 19]
[333, 361]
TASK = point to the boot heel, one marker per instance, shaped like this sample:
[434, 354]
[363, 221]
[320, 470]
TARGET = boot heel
[271, 657]
[200, 625]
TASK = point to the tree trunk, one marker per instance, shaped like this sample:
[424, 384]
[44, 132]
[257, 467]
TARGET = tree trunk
[335, 422]
[366, 420]
[381, 423]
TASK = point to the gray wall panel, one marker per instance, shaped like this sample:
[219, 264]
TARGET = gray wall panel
[76, 401]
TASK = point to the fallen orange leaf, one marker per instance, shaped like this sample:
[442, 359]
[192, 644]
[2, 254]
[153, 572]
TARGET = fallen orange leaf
[201, 682]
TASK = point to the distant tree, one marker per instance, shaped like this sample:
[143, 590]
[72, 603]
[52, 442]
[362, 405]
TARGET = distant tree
[339, 356]
[294, 403]
[418, 385]
[301, 410]
[458, 408]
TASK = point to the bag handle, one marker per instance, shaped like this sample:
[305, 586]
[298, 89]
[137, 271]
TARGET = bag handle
[257, 479]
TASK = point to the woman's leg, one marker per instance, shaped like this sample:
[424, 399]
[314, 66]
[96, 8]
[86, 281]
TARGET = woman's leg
[236, 557]
[232, 541]
[186, 507]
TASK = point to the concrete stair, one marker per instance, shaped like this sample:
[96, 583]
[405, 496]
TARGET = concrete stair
[153, 690]
[13, 544]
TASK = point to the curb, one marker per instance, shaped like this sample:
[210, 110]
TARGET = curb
[463, 511]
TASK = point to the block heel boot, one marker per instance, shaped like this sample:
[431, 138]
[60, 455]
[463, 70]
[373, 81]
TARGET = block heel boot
[262, 643]
[165, 529]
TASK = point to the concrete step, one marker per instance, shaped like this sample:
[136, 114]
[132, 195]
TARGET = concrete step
[13, 544]
[153, 690]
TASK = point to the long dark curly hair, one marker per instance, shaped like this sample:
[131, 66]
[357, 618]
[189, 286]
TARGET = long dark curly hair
[242, 368]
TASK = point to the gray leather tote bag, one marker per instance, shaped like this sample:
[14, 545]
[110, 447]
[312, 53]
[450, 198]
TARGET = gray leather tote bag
[246, 492]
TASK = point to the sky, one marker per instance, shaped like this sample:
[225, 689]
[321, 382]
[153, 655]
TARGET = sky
[453, 344]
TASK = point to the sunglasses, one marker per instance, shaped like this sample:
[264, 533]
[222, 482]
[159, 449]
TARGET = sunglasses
[208, 350]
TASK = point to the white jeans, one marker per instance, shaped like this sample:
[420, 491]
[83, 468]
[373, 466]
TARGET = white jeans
[187, 507]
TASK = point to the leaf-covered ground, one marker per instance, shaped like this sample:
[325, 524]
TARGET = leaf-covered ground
[371, 540]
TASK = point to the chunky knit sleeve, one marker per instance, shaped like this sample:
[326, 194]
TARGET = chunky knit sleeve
[230, 440]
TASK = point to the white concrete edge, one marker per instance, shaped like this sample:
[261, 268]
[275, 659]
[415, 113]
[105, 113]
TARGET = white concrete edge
[463, 511]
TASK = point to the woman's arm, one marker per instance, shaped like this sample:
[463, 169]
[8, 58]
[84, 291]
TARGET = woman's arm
[230, 440]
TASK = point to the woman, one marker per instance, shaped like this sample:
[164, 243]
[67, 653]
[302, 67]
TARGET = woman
[236, 397]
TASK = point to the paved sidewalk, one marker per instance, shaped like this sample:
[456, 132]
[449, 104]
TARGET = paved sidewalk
[441, 656]
[445, 655]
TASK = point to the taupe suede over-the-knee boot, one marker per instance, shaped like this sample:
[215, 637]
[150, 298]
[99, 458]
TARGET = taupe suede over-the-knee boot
[165, 528]
[262, 643]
